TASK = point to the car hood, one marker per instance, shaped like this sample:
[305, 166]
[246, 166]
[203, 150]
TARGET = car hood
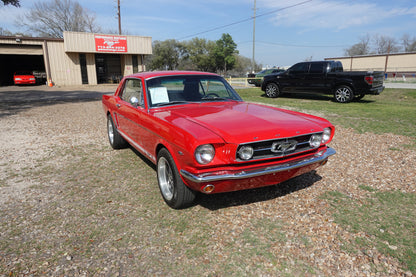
[239, 122]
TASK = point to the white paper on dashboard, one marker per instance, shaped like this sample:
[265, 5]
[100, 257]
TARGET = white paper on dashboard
[159, 95]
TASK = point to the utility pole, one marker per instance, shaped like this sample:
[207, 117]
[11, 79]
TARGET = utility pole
[253, 62]
[119, 17]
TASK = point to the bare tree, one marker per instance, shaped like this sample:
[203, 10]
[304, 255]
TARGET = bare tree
[385, 44]
[360, 48]
[4, 32]
[409, 44]
[52, 18]
[15, 3]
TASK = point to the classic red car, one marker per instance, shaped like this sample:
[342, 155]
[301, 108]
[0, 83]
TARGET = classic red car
[24, 78]
[204, 138]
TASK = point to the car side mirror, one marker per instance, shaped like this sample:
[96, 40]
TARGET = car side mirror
[134, 101]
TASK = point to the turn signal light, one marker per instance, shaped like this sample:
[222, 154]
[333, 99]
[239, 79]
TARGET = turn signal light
[208, 188]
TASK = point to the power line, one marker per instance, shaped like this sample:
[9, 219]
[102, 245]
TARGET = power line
[304, 46]
[245, 20]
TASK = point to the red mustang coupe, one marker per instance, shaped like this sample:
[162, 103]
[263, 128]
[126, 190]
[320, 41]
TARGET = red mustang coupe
[24, 78]
[204, 138]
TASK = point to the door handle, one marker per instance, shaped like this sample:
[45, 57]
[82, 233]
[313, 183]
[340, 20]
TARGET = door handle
[118, 105]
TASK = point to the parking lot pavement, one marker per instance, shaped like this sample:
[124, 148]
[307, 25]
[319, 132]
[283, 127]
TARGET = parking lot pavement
[400, 85]
[43, 93]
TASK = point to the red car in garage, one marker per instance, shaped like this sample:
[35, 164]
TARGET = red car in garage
[24, 78]
[203, 137]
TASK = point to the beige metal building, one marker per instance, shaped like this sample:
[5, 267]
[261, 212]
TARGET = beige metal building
[393, 64]
[78, 58]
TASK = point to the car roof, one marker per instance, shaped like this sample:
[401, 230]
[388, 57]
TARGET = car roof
[23, 72]
[152, 74]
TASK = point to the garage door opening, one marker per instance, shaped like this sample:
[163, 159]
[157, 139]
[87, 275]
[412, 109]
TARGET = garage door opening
[108, 68]
[12, 63]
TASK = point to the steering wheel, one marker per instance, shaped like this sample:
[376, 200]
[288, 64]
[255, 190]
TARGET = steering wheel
[211, 95]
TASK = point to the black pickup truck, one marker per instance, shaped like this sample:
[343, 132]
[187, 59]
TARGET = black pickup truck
[324, 77]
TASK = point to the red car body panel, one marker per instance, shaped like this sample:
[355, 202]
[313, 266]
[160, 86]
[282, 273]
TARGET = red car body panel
[24, 78]
[225, 125]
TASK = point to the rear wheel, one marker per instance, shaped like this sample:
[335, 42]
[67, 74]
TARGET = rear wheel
[115, 139]
[175, 193]
[343, 94]
[272, 90]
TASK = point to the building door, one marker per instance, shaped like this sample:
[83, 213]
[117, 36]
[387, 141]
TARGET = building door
[108, 67]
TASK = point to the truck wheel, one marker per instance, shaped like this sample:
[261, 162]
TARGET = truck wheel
[343, 94]
[272, 90]
[115, 139]
[175, 193]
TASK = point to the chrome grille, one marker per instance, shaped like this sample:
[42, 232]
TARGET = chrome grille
[278, 147]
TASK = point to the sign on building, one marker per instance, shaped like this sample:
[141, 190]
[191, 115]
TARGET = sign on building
[108, 43]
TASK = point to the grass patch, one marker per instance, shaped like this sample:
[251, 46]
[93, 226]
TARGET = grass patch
[393, 111]
[387, 218]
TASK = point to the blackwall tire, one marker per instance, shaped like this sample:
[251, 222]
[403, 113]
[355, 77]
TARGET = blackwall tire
[174, 192]
[343, 94]
[272, 90]
[115, 139]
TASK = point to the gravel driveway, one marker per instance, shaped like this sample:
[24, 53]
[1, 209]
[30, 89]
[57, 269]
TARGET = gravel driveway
[36, 121]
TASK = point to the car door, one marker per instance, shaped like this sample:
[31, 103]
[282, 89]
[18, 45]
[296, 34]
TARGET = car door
[130, 107]
[315, 79]
[296, 76]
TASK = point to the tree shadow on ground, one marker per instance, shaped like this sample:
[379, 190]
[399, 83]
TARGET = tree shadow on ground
[15, 100]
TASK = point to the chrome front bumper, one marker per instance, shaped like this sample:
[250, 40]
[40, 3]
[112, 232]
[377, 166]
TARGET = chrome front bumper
[319, 157]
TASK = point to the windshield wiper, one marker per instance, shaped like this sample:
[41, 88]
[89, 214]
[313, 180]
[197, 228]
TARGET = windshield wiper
[170, 103]
[214, 98]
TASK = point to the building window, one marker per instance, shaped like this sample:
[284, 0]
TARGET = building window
[84, 72]
[135, 63]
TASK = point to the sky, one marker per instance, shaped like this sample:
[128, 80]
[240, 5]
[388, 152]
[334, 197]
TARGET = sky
[286, 31]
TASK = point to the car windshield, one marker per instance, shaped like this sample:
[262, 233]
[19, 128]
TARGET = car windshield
[23, 73]
[173, 90]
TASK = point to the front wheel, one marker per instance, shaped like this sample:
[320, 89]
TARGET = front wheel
[343, 94]
[175, 193]
[272, 90]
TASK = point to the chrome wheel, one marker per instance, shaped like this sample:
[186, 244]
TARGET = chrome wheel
[115, 139]
[166, 179]
[343, 94]
[272, 90]
[175, 193]
[110, 131]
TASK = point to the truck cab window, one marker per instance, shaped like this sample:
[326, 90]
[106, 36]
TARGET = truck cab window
[299, 68]
[316, 68]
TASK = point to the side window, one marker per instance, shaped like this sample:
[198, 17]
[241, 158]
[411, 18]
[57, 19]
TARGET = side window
[132, 91]
[339, 66]
[316, 68]
[300, 68]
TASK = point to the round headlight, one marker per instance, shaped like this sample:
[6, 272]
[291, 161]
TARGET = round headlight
[315, 140]
[327, 135]
[204, 153]
[245, 152]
